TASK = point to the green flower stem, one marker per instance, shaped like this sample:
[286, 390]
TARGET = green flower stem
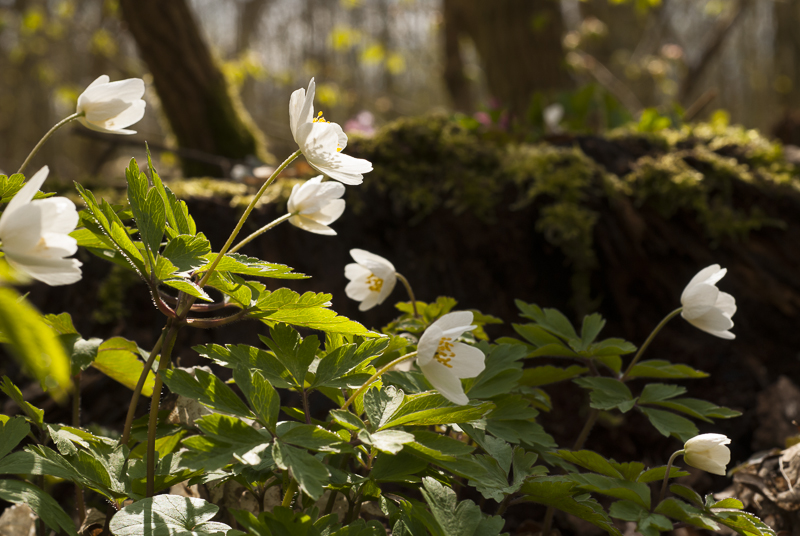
[587, 428]
[658, 328]
[666, 475]
[45, 138]
[80, 504]
[163, 363]
[126, 431]
[376, 376]
[244, 217]
[405, 282]
[290, 491]
[261, 231]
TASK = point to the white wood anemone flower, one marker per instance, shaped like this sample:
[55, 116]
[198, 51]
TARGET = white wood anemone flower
[708, 452]
[321, 141]
[110, 107]
[444, 361]
[35, 234]
[372, 279]
[316, 204]
[705, 307]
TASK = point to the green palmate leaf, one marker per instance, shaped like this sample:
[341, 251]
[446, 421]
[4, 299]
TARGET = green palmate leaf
[610, 347]
[744, 523]
[281, 521]
[607, 393]
[186, 252]
[344, 359]
[435, 447]
[311, 437]
[664, 369]
[502, 373]
[699, 409]
[656, 474]
[293, 352]
[169, 471]
[40, 502]
[544, 343]
[592, 325]
[591, 461]
[401, 467]
[681, 511]
[10, 185]
[347, 420]
[457, 518]
[548, 374]
[389, 441]
[380, 403]
[168, 515]
[34, 344]
[251, 358]
[263, 398]
[432, 408]
[613, 487]
[687, 493]
[242, 293]
[670, 424]
[550, 319]
[119, 359]
[303, 312]
[236, 263]
[647, 524]
[310, 473]
[565, 496]
[656, 392]
[188, 287]
[12, 432]
[207, 389]
[225, 437]
[35, 414]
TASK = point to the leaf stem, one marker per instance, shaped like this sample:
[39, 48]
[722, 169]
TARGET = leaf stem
[244, 217]
[290, 491]
[305, 406]
[261, 231]
[587, 428]
[666, 475]
[650, 338]
[376, 376]
[405, 282]
[163, 363]
[137, 391]
[45, 138]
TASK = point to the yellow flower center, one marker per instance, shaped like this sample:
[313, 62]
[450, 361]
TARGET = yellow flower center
[444, 353]
[375, 283]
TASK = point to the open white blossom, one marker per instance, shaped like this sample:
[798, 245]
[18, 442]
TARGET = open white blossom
[321, 141]
[316, 204]
[110, 107]
[35, 234]
[372, 279]
[444, 361]
[708, 452]
[705, 307]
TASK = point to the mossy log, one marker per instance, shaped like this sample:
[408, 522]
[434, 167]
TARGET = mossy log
[617, 224]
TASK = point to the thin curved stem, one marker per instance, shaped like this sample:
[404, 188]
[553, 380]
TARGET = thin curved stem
[261, 231]
[163, 363]
[405, 282]
[244, 217]
[376, 376]
[587, 428]
[666, 475]
[650, 338]
[137, 391]
[45, 138]
[290, 491]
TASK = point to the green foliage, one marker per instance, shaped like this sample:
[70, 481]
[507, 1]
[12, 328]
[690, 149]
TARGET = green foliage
[170, 515]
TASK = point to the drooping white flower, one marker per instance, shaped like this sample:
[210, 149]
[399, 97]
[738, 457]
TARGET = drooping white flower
[321, 141]
[111, 106]
[372, 279]
[35, 234]
[705, 307]
[315, 204]
[444, 361]
[708, 452]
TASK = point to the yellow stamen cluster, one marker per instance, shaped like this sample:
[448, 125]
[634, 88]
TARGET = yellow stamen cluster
[320, 119]
[444, 353]
[375, 283]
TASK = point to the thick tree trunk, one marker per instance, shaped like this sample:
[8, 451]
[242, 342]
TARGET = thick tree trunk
[204, 116]
[519, 42]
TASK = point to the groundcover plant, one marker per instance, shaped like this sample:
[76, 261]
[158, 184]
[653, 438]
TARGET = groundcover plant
[429, 410]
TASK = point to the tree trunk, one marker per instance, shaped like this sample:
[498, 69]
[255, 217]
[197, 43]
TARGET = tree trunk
[195, 97]
[519, 43]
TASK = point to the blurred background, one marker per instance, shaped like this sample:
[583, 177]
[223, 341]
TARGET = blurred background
[500, 63]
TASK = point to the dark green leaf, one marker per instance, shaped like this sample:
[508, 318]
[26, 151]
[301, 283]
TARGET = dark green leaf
[11, 433]
[310, 473]
[40, 502]
[168, 515]
[119, 359]
[207, 389]
[607, 393]
[294, 352]
[565, 497]
[548, 374]
[670, 424]
[664, 369]
[186, 252]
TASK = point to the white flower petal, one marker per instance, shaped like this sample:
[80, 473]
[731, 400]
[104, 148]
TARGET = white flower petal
[705, 307]
[55, 272]
[708, 452]
[448, 385]
[330, 212]
[365, 258]
[355, 271]
[111, 106]
[468, 362]
[308, 224]
[24, 195]
[358, 289]
[699, 299]
[369, 302]
[428, 344]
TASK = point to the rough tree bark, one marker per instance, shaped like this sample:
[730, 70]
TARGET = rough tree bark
[203, 114]
[519, 43]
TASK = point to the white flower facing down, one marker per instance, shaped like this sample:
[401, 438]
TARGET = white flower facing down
[705, 307]
[372, 279]
[321, 142]
[35, 234]
[112, 106]
[708, 452]
[316, 204]
[444, 361]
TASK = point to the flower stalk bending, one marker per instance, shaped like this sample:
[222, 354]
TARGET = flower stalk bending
[377, 375]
